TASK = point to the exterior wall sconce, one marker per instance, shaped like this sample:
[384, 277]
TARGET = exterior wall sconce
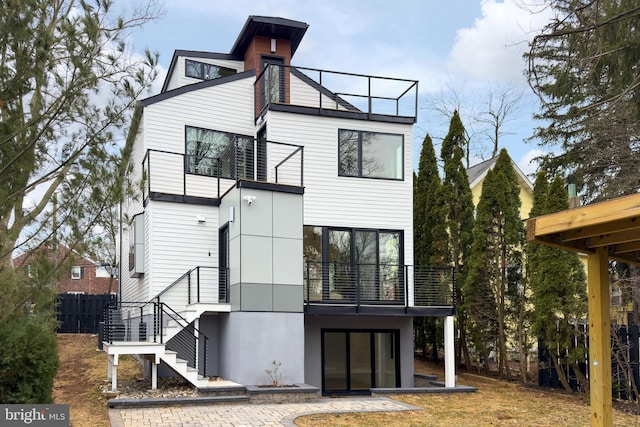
[249, 199]
[273, 45]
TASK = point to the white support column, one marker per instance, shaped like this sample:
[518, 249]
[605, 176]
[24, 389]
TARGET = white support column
[109, 366]
[114, 373]
[154, 372]
[449, 353]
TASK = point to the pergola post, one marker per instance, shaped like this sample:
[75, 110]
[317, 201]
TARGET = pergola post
[599, 338]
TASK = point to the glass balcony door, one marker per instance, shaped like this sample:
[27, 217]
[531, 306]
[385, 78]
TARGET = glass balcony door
[355, 361]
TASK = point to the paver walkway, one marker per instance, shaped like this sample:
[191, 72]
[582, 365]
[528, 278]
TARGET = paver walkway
[248, 415]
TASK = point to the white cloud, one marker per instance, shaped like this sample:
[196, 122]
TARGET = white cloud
[528, 164]
[492, 48]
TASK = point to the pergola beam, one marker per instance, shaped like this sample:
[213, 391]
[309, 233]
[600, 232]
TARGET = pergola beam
[606, 230]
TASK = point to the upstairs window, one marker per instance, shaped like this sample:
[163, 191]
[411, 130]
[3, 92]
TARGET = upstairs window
[370, 154]
[203, 71]
[206, 147]
[77, 272]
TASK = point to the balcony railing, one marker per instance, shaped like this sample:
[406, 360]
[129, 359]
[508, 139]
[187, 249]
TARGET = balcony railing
[378, 284]
[209, 176]
[148, 321]
[333, 90]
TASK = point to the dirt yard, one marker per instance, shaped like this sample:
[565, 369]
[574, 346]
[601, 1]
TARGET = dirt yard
[83, 372]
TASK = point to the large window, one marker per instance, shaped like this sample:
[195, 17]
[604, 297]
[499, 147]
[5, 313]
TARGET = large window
[370, 154]
[354, 361]
[349, 264]
[206, 149]
[203, 71]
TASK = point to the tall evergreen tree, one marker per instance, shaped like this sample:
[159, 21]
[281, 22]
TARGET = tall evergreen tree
[430, 238]
[558, 284]
[457, 201]
[495, 262]
[584, 67]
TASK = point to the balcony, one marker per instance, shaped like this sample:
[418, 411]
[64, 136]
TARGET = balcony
[334, 288]
[312, 91]
[201, 177]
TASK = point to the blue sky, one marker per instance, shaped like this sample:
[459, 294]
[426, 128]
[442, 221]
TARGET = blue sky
[467, 45]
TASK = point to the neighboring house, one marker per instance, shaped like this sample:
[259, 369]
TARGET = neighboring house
[477, 174]
[274, 218]
[81, 276]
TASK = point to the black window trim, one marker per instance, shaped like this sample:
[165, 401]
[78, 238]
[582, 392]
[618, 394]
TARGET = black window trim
[360, 175]
[228, 70]
[186, 154]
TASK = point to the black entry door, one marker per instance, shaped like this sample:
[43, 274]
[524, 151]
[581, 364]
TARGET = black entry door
[223, 264]
[354, 361]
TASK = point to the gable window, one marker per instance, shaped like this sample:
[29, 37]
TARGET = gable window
[203, 71]
[206, 149]
[77, 272]
[365, 154]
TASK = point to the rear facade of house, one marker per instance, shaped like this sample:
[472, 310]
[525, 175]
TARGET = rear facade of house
[273, 219]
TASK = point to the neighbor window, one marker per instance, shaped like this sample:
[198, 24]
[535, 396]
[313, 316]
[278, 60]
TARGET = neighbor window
[76, 272]
[206, 148]
[203, 71]
[370, 154]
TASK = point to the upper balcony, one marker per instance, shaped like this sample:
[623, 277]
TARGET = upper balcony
[339, 288]
[336, 94]
[212, 165]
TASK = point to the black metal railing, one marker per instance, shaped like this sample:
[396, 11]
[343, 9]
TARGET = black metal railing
[370, 284]
[201, 284]
[181, 174]
[334, 90]
[149, 322]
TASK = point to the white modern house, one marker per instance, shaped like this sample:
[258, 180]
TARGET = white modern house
[273, 222]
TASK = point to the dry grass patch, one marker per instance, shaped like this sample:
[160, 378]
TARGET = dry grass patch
[496, 403]
[82, 371]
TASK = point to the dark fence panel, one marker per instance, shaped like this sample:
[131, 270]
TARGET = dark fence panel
[81, 313]
[625, 364]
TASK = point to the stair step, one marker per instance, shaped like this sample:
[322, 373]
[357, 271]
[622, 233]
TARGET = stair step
[198, 400]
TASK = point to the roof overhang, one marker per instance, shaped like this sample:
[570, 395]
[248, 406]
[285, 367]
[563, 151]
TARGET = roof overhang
[279, 28]
[614, 224]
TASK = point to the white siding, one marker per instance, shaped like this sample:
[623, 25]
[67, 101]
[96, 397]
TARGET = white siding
[179, 242]
[331, 200]
[178, 78]
[307, 96]
[133, 289]
[227, 108]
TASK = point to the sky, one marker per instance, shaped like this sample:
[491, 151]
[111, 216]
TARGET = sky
[456, 49]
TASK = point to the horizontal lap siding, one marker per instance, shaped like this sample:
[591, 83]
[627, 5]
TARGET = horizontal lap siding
[133, 289]
[305, 95]
[180, 242]
[227, 108]
[331, 200]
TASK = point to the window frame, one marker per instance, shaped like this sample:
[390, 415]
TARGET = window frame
[222, 71]
[77, 272]
[230, 171]
[360, 155]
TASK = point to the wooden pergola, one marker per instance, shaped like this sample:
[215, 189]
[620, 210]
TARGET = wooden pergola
[603, 231]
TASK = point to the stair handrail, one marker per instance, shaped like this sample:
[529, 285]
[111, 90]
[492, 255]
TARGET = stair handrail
[165, 308]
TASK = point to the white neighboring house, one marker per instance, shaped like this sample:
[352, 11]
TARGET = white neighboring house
[274, 218]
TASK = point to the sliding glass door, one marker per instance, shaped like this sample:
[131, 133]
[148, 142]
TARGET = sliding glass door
[354, 361]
